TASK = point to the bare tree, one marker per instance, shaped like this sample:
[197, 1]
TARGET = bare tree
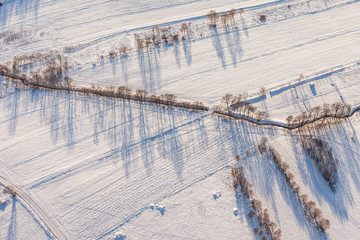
[227, 99]
[225, 18]
[169, 98]
[141, 94]
[232, 13]
[185, 29]
[289, 120]
[212, 16]
[262, 91]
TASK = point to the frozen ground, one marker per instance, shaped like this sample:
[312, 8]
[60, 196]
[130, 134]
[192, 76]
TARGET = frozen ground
[17, 220]
[105, 168]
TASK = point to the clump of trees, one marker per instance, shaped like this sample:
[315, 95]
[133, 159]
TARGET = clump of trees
[55, 71]
[313, 213]
[244, 187]
[225, 17]
[42, 69]
[158, 35]
[336, 110]
[237, 104]
[321, 152]
[10, 190]
[4, 69]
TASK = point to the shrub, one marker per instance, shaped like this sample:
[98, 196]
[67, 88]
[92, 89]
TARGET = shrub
[262, 17]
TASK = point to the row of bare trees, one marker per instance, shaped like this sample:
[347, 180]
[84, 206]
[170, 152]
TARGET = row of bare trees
[45, 69]
[336, 110]
[161, 35]
[244, 187]
[225, 17]
[123, 51]
[237, 104]
[50, 77]
[143, 96]
[313, 213]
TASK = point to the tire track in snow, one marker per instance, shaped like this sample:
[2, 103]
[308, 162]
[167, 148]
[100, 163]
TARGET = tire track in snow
[52, 227]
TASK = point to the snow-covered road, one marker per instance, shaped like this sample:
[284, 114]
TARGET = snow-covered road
[54, 230]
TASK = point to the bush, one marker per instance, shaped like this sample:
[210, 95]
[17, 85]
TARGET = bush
[262, 17]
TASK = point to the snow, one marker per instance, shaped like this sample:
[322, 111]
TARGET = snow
[103, 168]
[18, 220]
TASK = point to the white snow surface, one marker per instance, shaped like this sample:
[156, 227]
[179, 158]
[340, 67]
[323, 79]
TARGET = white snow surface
[105, 168]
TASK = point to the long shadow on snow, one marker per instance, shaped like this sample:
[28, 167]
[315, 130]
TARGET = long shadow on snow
[13, 105]
[12, 231]
[172, 147]
[233, 40]
[216, 41]
[187, 51]
[20, 9]
[242, 203]
[265, 175]
[145, 133]
[345, 149]
[311, 176]
[150, 70]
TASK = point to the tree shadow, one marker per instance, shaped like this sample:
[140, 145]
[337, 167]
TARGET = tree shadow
[187, 51]
[311, 176]
[127, 136]
[114, 62]
[233, 40]
[216, 41]
[12, 230]
[177, 54]
[149, 65]
[145, 135]
[171, 144]
[244, 25]
[242, 203]
[124, 68]
[13, 105]
[21, 9]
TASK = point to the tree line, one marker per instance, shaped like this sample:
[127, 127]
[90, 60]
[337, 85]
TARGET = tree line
[313, 213]
[243, 187]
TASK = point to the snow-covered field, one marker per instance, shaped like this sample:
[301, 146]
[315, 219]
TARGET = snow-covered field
[102, 168]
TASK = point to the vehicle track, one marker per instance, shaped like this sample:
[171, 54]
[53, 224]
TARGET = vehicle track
[51, 226]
